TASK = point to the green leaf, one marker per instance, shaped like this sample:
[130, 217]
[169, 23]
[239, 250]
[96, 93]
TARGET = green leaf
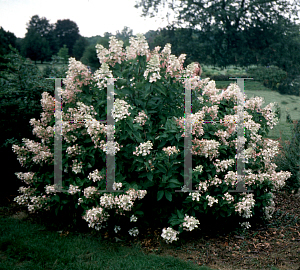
[150, 176]
[175, 181]
[161, 168]
[180, 214]
[160, 194]
[140, 213]
[89, 165]
[168, 195]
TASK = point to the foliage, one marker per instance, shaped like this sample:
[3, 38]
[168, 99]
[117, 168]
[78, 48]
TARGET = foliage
[35, 47]
[290, 158]
[6, 38]
[52, 71]
[125, 34]
[63, 54]
[21, 91]
[79, 47]
[153, 94]
[89, 58]
[270, 76]
[45, 29]
[66, 32]
[290, 86]
[234, 38]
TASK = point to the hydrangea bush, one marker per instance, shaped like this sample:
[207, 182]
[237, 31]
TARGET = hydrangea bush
[149, 148]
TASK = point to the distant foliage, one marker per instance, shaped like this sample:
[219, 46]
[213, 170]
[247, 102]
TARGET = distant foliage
[290, 86]
[289, 160]
[271, 76]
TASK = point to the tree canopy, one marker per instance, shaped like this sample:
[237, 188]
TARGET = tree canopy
[66, 32]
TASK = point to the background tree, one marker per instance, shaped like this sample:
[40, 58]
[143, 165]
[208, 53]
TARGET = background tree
[79, 47]
[224, 20]
[6, 38]
[66, 32]
[63, 53]
[150, 35]
[42, 27]
[35, 47]
[89, 57]
[20, 94]
[124, 35]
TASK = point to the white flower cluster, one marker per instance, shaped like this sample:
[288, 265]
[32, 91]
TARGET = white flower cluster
[95, 217]
[190, 70]
[138, 46]
[117, 228]
[74, 150]
[40, 131]
[223, 165]
[80, 201]
[199, 168]
[117, 186]
[245, 206]
[95, 175]
[169, 235]
[143, 148]
[22, 199]
[134, 231]
[269, 114]
[190, 223]
[76, 167]
[228, 197]
[120, 109]
[94, 128]
[101, 75]
[89, 192]
[140, 194]
[166, 52]
[245, 225]
[175, 65]
[279, 179]
[101, 53]
[110, 147]
[116, 50]
[107, 201]
[73, 189]
[211, 200]
[124, 202]
[26, 177]
[133, 218]
[42, 153]
[195, 196]
[37, 202]
[153, 69]
[51, 189]
[209, 148]
[171, 150]
[141, 118]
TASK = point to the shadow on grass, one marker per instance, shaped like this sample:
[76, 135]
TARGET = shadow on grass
[31, 246]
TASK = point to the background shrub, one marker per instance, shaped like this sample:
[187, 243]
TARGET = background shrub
[270, 76]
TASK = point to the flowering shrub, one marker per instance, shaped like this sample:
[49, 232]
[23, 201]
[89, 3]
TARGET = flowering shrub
[148, 146]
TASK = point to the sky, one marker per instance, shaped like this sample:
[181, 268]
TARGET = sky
[93, 17]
